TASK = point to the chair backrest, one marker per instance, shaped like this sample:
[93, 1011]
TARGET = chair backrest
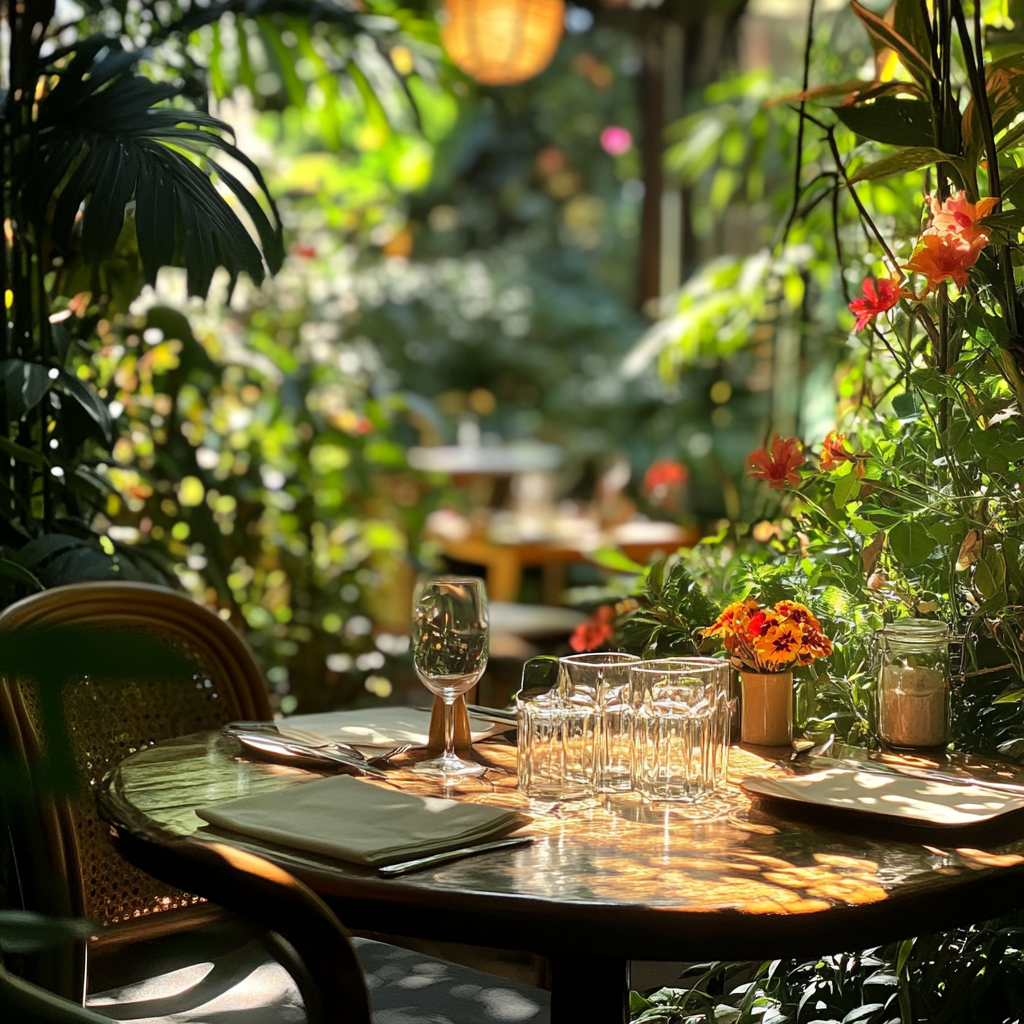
[109, 719]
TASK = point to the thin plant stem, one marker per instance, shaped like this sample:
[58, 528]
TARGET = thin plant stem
[797, 190]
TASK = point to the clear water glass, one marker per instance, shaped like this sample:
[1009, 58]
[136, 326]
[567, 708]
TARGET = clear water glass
[678, 749]
[602, 683]
[450, 643]
[555, 753]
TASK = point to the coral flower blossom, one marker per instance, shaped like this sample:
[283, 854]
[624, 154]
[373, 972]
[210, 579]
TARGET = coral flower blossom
[779, 467]
[595, 632]
[879, 297]
[834, 451]
[945, 257]
[957, 216]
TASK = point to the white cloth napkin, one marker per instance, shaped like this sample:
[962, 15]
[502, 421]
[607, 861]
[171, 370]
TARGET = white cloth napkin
[360, 822]
[379, 727]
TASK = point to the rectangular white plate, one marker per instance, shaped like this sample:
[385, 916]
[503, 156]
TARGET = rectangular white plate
[889, 795]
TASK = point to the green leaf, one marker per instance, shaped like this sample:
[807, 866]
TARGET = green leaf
[22, 931]
[847, 488]
[904, 161]
[910, 22]
[127, 147]
[90, 402]
[22, 454]
[910, 543]
[990, 577]
[897, 122]
[24, 384]
[1004, 82]
[615, 560]
[884, 36]
[19, 573]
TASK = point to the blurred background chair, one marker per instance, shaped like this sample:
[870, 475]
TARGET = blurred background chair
[152, 938]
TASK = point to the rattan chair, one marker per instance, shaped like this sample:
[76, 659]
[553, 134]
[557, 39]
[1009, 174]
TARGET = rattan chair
[64, 861]
[150, 927]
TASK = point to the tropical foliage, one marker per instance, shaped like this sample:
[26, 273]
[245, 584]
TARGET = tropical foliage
[909, 505]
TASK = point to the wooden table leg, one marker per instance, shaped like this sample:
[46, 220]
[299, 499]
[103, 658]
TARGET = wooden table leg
[589, 990]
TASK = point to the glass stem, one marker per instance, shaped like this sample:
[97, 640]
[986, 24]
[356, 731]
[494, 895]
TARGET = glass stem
[449, 728]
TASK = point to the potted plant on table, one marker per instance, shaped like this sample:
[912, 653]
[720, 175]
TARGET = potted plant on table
[765, 644]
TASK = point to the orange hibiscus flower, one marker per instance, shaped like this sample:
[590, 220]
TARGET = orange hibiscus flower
[780, 466]
[879, 296]
[957, 216]
[945, 257]
[834, 451]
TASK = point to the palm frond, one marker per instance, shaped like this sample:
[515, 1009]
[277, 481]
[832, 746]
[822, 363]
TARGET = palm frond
[103, 142]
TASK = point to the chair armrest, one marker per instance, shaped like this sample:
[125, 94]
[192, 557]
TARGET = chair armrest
[315, 949]
[28, 1004]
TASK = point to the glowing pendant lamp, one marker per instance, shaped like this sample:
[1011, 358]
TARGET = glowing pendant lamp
[503, 42]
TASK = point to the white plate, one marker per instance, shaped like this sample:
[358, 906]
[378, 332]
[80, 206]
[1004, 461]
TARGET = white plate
[375, 728]
[890, 795]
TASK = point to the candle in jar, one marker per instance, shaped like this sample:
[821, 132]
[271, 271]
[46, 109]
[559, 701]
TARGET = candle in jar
[912, 706]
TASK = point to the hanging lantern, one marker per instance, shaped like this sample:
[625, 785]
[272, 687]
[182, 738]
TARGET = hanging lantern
[502, 42]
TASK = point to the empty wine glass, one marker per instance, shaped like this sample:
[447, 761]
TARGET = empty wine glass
[449, 650]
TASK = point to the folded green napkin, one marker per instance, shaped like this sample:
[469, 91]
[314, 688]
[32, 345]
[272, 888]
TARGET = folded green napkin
[360, 822]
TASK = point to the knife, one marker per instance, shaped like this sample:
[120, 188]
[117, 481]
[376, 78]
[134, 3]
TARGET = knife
[277, 746]
[405, 866]
[502, 717]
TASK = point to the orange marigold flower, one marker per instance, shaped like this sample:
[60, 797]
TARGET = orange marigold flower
[779, 467]
[770, 639]
[834, 451]
[944, 257]
[879, 296]
[797, 613]
[957, 216]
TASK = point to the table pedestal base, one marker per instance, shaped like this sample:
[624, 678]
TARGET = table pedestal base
[589, 990]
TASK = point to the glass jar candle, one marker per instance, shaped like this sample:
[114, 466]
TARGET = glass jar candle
[913, 683]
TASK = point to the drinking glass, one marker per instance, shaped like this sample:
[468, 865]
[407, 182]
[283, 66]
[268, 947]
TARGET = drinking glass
[555, 748]
[449, 651]
[602, 682]
[677, 730]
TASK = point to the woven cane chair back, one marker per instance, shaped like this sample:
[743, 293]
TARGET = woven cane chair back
[109, 719]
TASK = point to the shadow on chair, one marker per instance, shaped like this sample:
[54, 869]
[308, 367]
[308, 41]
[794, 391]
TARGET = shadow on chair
[160, 950]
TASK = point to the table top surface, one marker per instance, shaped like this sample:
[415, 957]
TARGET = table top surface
[728, 880]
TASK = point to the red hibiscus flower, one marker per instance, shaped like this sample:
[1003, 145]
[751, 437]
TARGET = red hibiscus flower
[595, 632]
[879, 296]
[779, 467]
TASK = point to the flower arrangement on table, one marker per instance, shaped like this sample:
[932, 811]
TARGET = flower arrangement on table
[765, 644]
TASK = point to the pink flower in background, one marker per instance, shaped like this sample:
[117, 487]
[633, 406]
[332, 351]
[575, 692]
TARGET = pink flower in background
[615, 140]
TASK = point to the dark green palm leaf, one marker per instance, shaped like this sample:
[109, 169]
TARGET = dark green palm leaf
[103, 142]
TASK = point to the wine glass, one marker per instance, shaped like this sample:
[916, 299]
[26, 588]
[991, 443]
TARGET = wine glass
[449, 650]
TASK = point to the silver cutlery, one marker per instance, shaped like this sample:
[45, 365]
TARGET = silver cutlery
[267, 743]
[420, 863]
[313, 741]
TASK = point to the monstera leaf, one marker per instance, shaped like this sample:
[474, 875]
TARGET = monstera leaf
[107, 139]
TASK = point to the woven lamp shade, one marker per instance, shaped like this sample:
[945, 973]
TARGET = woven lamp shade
[502, 42]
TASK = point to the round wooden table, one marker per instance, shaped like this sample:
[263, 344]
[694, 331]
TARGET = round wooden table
[607, 880]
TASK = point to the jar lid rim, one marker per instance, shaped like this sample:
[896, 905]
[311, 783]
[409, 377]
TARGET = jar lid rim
[917, 627]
